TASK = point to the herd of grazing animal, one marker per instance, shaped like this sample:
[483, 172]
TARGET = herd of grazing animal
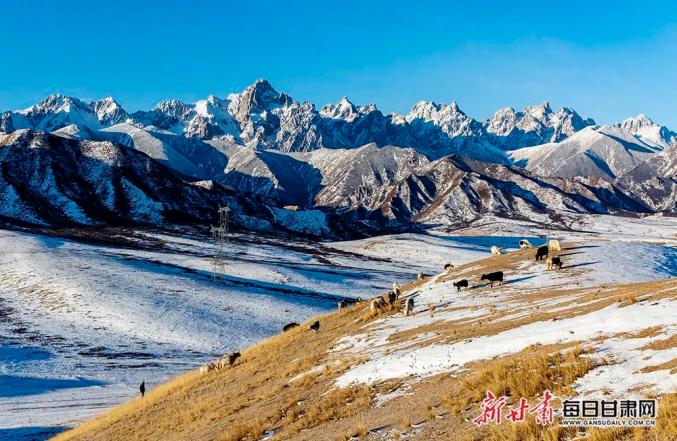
[495, 278]
[547, 253]
[392, 298]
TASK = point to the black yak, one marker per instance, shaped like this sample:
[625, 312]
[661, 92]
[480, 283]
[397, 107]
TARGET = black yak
[463, 283]
[289, 326]
[542, 252]
[496, 276]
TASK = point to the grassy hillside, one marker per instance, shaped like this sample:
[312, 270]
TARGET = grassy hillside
[286, 386]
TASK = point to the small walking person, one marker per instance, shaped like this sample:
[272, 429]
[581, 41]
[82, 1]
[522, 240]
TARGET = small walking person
[142, 388]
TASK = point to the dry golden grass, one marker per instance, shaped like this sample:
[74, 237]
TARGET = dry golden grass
[526, 374]
[458, 330]
[646, 332]
[254, 396]
[671, 365]
[276, 389]
[659, 345]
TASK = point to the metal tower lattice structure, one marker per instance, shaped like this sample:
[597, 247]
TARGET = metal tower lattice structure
[220, 236]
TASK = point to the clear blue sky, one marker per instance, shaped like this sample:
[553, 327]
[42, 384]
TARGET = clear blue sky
[608, 60]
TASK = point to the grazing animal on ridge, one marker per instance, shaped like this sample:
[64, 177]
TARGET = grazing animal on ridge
[289, 326]
[554, 262]
[409, 306]
[227, 361]
[377, 304]
[342, 305]
[463, 283]
[315, 326]
[496, 276]
[553, 245]
[232, 357]
[541, 252]
[390, 298]
[496, 250]
[525, 244]
[448, 267]
[208, 368]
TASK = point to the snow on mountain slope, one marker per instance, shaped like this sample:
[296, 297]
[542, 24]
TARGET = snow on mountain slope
[648, 132]
[47, 179]
[75, 131]
[261, 117]
[287, 178]
[389, 186]
[261, 141]
[189, 156]
[654, 181]
[54, 112]
[205, 119]
[58, 111]
[449, 118]
[605, 152]
[351, 176]
[534, 125]
[344, 110]
[108, 111]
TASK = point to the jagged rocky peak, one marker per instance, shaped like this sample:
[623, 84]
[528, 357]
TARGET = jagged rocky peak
[541, 112]
[108, 111]
[211, 106]
[57, 103]
[534, 125]
[503, 121]
[172, 107]
[431, 111]
[448, 117]
[344, 110]
[648, 131]
[258, 98]
[635, 123]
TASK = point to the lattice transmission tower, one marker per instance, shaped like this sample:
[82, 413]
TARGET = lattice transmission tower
[220, 237]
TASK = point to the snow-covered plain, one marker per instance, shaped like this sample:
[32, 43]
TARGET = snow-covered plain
[82, 324]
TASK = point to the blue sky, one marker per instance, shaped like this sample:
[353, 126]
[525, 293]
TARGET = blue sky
[608, 60]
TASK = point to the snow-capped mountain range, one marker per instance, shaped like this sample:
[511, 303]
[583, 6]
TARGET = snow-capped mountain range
[365, 169]
[263, 118]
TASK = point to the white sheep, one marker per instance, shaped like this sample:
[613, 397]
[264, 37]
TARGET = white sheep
[409, 306]
[397, 289]
[553, 245]
[525, 244]
[207, 368]
[496, 250]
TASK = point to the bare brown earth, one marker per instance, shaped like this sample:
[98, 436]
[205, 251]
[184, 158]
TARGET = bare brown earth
[283, 388]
